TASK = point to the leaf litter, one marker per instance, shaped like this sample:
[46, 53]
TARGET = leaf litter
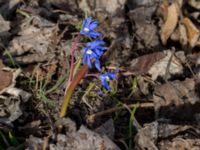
[154, 45]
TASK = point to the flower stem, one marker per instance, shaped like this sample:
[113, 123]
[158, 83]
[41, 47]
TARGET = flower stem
[74, 47]
[70, 90]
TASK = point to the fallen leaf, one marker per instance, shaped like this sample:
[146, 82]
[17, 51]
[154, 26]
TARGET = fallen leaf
[180, 34]
[34, 58]
[107, 129]
[180, 143]
[8, 80]
[183, 35]
[146, 137]
[192, 31]
[7, 9]
[176, 100]
[19, 93]
[194, 4]
[12, 110]
[159, 68]
[142, 64]
[4, 25]
[103, 5]
[195, 16]
[81, 139]
[172, 93]
[36, 38]
[87, 139]
[164, 136]
[45, 72]
[145, 29]
[170, 23]
[5, 77]
[147, 34]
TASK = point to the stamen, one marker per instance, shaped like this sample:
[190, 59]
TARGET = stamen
[89, 51]
[107, 78]
[86, 29]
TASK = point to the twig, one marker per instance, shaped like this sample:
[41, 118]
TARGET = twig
[168, 64]
[111, 110]
[89, 88]
[135, 122]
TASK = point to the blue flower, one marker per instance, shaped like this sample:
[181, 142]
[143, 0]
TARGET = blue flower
[88, 28]
[105, 78]
[92, 53]
[97, 47]
[89, 57]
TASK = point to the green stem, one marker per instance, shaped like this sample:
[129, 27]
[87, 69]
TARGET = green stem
[76, 80]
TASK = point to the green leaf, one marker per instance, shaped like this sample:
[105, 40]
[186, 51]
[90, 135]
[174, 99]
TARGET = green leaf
[13, 140]
[4, 139]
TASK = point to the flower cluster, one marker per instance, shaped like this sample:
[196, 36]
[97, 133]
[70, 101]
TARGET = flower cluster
[94, 50]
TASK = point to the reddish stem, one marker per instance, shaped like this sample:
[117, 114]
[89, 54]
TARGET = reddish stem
[70, 90]
[72, 50]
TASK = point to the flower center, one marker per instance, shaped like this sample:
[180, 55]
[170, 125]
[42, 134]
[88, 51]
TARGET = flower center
[86, 29]
[89, 52]
[107, 78]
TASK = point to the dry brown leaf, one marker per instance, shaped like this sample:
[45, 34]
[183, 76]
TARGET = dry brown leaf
[142, 64]
[192, 31]
[165, 136]
[4, 25]
[180, 34]
[160, 67]
[194, 3]
[175, 35]
[195, 16]
[110, 6]
[34, 58]
[5, 77]
[183, 35]
[36, 36]
[45, 72]
[170, 24]
[107, 129]
[176, 91]
[180, 144]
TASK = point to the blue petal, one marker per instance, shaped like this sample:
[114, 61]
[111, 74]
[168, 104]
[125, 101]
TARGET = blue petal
[97, 64]
[89, 62]
[104, 82]
[84, 59]
[99, 42]
[99, 53]
[94, 34]
[94, 56]
[112, 76]
[84, 23]
[93, 25]
[82, 31]
[96, 44]
[106, 85]
[84, 49]
[87, 22]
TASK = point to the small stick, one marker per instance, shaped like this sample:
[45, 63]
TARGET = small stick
[114, 109]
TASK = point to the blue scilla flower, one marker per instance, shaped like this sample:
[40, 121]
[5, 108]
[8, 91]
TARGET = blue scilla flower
[89, 57]
[105, 78]
[92, 52]
[97, 47]
[88, 28]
